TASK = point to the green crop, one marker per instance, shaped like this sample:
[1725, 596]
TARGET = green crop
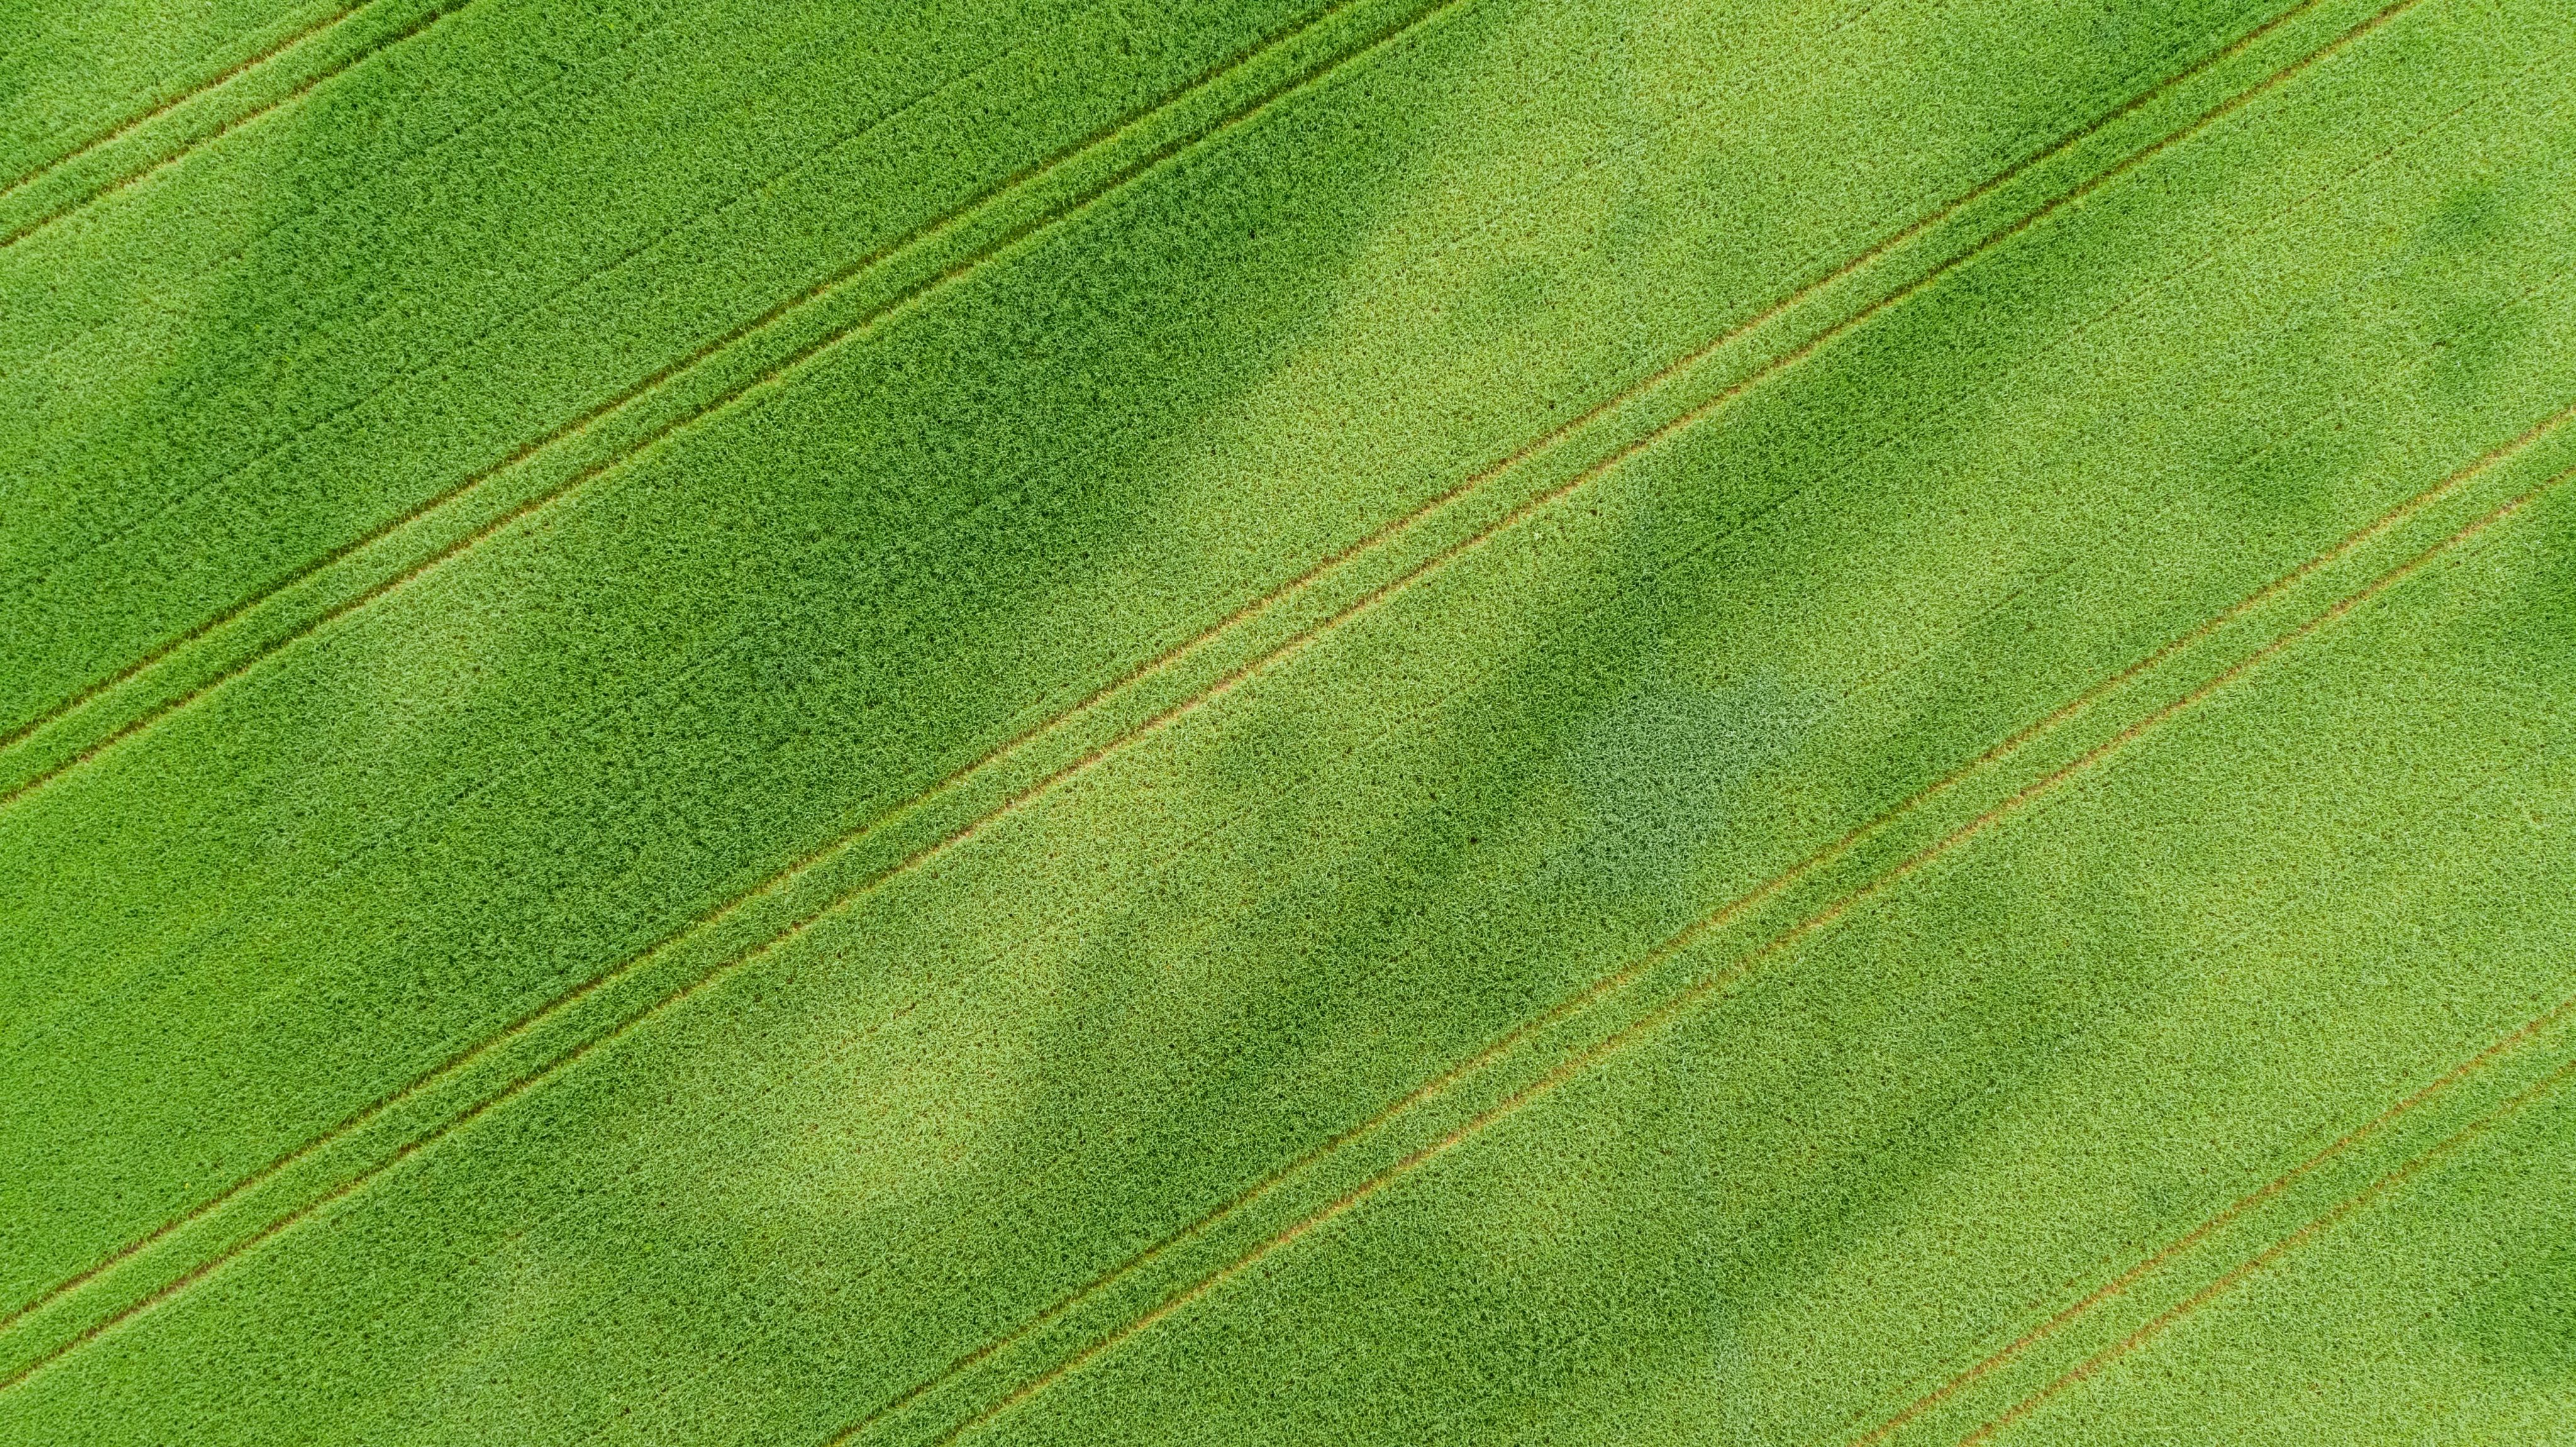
[1565, 721]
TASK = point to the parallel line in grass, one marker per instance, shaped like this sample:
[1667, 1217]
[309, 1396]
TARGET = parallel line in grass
[304, 88]
[304, 572]
[2219, 1221]
[1369, 544]
[1009, 746]
[1390, 532]
[753, 191]
[1233, 679]
[947, 782]
[1153, 158]
[123, 129]
[1376, 540]
[2237, 1275]
[1377, 595]
[271, 226]
[1149, 667]
[1717, 981]
[909, 295]
[1502, 1045]
[342, 551]
[2394, 517]
[936, 789]
[794, 868]
[1727, 914]
[1385, 534]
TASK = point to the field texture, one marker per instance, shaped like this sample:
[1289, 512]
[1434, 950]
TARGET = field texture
[1287, 721]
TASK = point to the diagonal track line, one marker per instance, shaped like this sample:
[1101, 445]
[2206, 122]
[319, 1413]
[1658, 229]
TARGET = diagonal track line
[1245, 112]
[1375, 597]
[339, 552]
[805, 60]
[2227, 1216]
[175, 643]
[1609, 984]
[1154, 665]
[551, 1007]
[268, 227]
[366, 53]
[1261, 1187]
[1732, 911]
[907, 296]
[1547, 442]
[1712, 984]
[1369, 544]
[1501, 1046]
[123, 129]
[1366, 603]
[1225, 685]
[1472, 485]
[2235, 1276]
[517, 104]
[1726, 914]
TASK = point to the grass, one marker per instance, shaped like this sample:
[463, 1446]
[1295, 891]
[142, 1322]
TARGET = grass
[1402, 720]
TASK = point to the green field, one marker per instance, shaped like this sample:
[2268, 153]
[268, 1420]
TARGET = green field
[1288, 721]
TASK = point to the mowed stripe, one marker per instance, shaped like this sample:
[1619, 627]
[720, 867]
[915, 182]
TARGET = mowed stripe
[83, 193]
[782, 883]
[1713, 984]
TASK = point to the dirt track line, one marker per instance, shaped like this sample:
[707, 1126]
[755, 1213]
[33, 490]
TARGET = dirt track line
[1225, 685]
[340, 551]
[269, 227]
[236, 123]
[1772, 888]
[2217, 1222]
[1546, 442]
[798, 866]
[588, 987]
[1502, 1044]
[2094, 1365]
[1711, 984]
[1375, 540]
[161, 651]
[1734, 909]
[1666, 430]
[126, 128]
[821, 291]
[1232, 680]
